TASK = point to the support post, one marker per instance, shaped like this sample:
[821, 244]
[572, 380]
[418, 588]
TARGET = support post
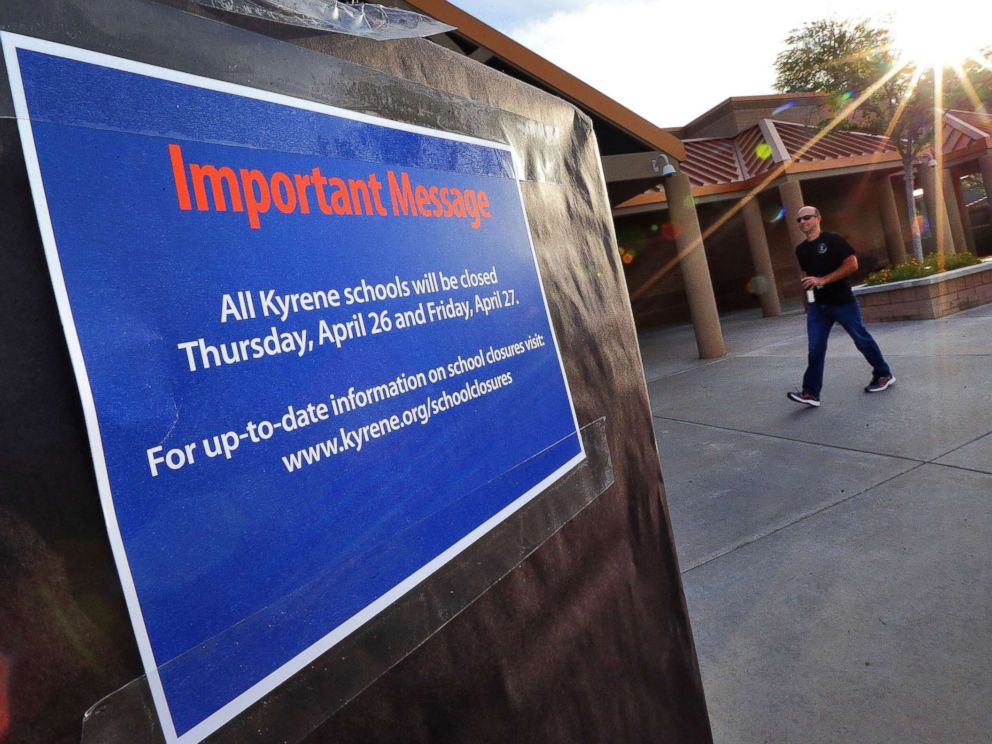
[954, 210]
[792, 200]
[695, 268]
[894, 244]
[936, 209]
[761, 258]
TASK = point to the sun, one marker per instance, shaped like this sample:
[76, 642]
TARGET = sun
[936, 36]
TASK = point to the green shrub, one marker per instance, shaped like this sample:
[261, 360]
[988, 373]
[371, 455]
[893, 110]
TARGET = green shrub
[916, 269]
[960, 260]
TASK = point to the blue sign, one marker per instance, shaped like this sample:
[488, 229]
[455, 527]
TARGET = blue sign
[313, 351]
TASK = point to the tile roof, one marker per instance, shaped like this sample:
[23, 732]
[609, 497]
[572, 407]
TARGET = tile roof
[712, 161]
[754, 152]
[835, 145]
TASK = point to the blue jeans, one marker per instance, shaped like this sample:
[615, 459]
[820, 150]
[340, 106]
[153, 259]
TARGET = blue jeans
[820, 319]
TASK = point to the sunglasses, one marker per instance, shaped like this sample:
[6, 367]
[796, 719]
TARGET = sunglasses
[804, 217]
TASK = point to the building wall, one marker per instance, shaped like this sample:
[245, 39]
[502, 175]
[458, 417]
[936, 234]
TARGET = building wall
[731, 266]
[850, 206]
[780, 246]
[649, 245]
[649, 241]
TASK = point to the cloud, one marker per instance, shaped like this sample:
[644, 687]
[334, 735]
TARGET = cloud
[505, 15]
[661, 60]
[668, 62]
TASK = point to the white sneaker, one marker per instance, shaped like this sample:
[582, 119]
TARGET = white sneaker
[803, 397]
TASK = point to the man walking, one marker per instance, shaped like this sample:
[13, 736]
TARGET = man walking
[827, 260]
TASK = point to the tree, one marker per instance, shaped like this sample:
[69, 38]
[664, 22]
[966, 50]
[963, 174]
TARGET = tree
[829, 54]
[855, 58]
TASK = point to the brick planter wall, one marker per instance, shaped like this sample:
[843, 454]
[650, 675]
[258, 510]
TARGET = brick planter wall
[927, 298]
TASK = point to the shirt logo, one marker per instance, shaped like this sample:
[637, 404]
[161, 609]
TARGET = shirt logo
[821, 248]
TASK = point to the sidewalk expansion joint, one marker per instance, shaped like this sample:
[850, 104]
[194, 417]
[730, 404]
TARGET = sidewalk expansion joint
[802, 517]
[965, 468]
[955, 449]
[917, 463]
[695, 367]
[699, 364]
[796, 441]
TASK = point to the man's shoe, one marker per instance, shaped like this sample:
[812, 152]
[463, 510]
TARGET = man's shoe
[805, 398]
[878, 384]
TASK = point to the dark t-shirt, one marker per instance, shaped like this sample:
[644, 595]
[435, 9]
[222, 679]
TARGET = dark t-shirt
[821, 256]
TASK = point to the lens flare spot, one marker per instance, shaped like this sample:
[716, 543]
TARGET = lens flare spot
[689, 201]
[671, 230]
[654, 227]
[763, 150]
[784, 107]
[627, 258]
[847, 95]
[777, 215]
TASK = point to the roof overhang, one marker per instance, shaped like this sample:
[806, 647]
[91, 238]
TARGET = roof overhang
[764, 155]
[799, 171]
[979, 141]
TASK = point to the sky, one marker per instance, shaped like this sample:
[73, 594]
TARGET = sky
[672, 61]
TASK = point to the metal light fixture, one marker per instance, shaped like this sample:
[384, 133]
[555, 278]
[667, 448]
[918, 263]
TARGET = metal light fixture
[665, 170]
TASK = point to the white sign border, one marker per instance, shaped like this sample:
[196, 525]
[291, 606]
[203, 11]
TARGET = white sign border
[10, 43]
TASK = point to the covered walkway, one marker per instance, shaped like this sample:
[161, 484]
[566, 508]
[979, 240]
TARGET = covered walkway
[746, 189]
[747, 186]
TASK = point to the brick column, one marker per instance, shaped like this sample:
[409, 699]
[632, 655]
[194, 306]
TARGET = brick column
[761, 258]
[936, 209]
[952, 187]
[695, 268]
[792, 200]
[890, 222]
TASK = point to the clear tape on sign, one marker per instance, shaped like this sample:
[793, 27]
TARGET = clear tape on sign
[302, 703]
[356, 19]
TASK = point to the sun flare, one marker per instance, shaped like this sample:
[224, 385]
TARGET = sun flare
[931, 36]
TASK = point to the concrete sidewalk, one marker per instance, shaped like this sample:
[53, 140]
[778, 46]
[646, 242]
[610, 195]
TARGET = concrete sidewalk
[837, 561]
